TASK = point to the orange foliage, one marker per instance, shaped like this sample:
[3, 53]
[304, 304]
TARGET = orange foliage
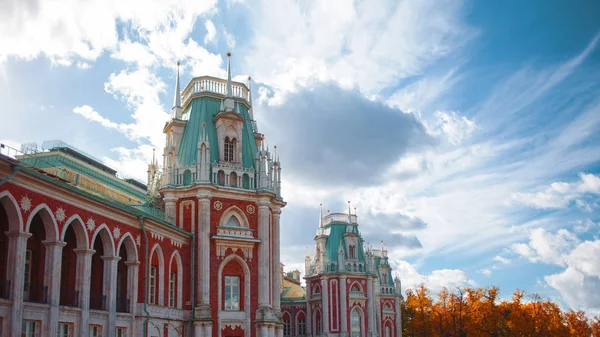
[479, 312]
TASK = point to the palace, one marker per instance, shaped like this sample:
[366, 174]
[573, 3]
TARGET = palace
[195, 252]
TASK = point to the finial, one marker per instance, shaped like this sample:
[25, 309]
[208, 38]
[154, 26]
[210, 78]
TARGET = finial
[275, 152]
[153, 156]
[229, 94]
[321, 217]
[250, 90]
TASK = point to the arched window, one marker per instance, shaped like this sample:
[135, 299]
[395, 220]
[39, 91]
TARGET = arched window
[301, 324]
[355, 324]
[228, 149]
[233, 179]
[352, 252]
[355, 288]
[318, 328]
[287, 325]
[233, 222]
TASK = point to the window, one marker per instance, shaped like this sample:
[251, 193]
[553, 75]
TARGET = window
[233, 222]
[355, 324]
[352, 252]
[172, 286]
[95, 331]
[65, 330]
[27, 280]
[318, 324]
[232, 293]
[287, 327]
[30, 328]
[152, 285]
[228, 149]
[301, 327]
[121, 332]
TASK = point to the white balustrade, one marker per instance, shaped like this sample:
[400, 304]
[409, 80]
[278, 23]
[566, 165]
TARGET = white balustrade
[209, 84]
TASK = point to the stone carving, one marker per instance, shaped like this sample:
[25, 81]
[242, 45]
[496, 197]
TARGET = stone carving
[25, 203]
[218, 205]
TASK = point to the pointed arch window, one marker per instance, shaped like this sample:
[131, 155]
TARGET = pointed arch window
[233, 222]
[356, 324]
[229, 148]
[352, 252]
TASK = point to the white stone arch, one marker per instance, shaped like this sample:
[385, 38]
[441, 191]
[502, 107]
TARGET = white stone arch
[108, 242]
[130, 247]
[316, 289]
[75, 221]
[48, 220]
[247, 296]
[359, 286]
[361, 314]
[388, 322]
[237, 213]
[296, 322]
[161, 273]
[176, 258]
[13, 213]
[314, 322]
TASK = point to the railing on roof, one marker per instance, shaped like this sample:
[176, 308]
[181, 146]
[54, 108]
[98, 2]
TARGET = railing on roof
[338, 217]
[209, 84]
[57, 143]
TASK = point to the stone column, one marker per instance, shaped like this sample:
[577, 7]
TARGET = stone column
[52, 271]
[132, 285]
[264, 330]
[110, 289]
[343, 306]
[171, 210]
[325, 305]
[279, 332]
[263, 254]
[17, 245]
[371, 305]
[276, 277]
[398, 318]
[203, 249]
[271, 331]
[84, 273]
[308, 320]
[378, 316]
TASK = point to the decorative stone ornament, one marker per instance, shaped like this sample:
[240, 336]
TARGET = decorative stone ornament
[117, 232]
[250, 209]
[218, 205]
[60, 214]
[138, 240]
[91, 224]
[25, 203]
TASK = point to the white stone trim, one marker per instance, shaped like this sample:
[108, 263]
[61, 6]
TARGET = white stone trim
[133, 246]
[11, 212]
[47, 219]
[222, 319]
[161, 273]
[109, 247]
[179, 294]
[79, 236]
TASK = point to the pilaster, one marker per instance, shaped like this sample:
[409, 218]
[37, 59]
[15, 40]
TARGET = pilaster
[263, 254]
[308, 309]
[276, 279]
[325, 304]
[343, 306]
[371, 306]
[132, 285]
[84, 272]
[17, 244]
[203, 257]
[52, 280]
[398, 318]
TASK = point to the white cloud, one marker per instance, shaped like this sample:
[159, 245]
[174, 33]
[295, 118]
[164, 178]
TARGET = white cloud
[486, 271]
[89, 113]
[435, 281]
[501, 259]
[451, 124]
[560, 194]
[579, 282]
[211, 31]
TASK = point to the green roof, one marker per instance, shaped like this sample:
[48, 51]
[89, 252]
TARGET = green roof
[202, 110]
[336, 232]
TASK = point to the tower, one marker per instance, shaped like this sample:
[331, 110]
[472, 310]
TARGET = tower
[349, 288]
[221, 184]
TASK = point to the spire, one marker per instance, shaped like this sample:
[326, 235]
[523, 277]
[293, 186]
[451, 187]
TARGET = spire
[176, 110]
[153, 156]
[177, 99]
[349, 214]
[321, 217]
[250, 90]
[229, 91]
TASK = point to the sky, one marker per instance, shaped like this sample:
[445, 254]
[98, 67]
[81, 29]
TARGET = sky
[464, 132]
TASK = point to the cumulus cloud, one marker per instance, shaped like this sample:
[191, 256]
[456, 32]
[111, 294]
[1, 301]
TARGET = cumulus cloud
[328, 135]
[435, 281]
[211, 31]
[579, 282]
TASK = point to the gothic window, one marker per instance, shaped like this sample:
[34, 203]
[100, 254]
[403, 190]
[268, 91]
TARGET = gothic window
[233, 179]
[355, 288]
[287, 327]
[355, 324]
[301, 325]
[318, 324]
[317, 290]
[153, 271]
[172, 288]
[233, 222]
[352, 251]
[232, 293]
[228, 149]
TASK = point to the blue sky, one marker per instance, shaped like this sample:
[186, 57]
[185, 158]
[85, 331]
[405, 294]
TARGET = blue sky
[465, 132]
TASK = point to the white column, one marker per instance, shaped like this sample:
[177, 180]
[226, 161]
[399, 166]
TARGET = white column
[264, 330]
[378, 316]
[263, 254]
[132, 285]
[198, 330]
[343, 306]
[204, 253]
[110, 289]
[280, 330]
[371, 305]
[271, 331]
[84, 273]
[309, 331]
[398, 318]
[52, 272]
[17, 245]
[325, 305]
[276, 260]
